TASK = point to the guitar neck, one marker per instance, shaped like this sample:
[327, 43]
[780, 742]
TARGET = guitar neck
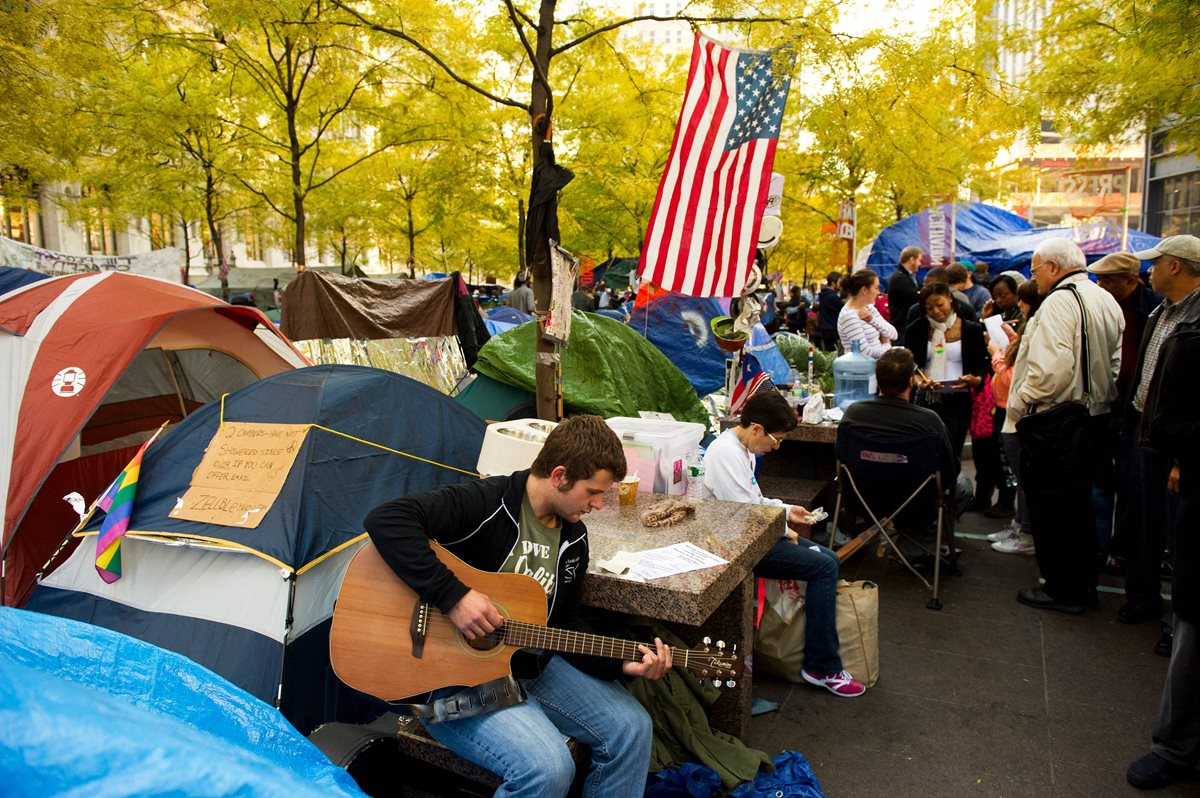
[530, 635]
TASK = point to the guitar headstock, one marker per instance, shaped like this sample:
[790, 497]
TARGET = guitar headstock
[713, 661]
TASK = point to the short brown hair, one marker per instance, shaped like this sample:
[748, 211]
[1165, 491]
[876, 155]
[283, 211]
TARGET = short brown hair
[909, 252]
[957, 273]
[583, 445]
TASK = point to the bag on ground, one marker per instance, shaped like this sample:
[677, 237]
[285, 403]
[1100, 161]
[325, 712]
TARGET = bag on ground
[779, 641]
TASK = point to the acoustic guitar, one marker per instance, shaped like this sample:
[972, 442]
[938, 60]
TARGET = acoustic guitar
[388, 643]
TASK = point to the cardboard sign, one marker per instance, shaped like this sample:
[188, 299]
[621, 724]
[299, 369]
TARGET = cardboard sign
[241, 473]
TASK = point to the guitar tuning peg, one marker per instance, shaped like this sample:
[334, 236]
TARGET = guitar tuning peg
[731, 683]
[716, 682]
[721, 644]
[708, 641]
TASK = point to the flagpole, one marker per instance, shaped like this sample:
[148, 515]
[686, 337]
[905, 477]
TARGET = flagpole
[1125, 212]
[86, 517]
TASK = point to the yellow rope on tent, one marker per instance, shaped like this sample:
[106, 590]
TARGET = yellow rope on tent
[395, 451]
[369, 443]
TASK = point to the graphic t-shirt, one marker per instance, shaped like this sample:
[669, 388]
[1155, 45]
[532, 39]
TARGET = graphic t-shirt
[536, 551]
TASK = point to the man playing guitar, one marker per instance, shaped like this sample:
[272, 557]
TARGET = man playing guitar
[530, 523]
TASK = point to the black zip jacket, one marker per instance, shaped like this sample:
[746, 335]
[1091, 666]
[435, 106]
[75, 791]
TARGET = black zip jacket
[478, 522]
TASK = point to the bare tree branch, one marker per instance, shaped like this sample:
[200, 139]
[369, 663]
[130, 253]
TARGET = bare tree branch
[401, 35]
[694, 20]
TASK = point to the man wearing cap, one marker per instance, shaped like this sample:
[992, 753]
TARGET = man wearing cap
[1058, 451]
[1173, 432]
[1175, 273]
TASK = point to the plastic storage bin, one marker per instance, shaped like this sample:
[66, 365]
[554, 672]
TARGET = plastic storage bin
[655, 451]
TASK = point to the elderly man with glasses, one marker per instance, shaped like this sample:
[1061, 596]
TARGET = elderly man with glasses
[729, 476]
[1063, 383]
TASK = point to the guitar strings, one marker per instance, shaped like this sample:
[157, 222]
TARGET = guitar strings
[680, 655]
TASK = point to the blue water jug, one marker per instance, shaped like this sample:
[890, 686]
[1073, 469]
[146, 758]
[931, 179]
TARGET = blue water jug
[853, 377]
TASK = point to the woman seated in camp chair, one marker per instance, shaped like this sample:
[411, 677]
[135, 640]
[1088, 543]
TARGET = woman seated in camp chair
[729, 476]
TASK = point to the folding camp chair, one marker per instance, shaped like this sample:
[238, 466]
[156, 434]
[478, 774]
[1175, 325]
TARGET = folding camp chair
[875, 471]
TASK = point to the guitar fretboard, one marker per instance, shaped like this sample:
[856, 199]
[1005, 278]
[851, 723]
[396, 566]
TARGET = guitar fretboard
[529, 635]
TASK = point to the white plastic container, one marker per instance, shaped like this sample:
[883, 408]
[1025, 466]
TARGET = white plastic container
[655, 451]
[510, 446]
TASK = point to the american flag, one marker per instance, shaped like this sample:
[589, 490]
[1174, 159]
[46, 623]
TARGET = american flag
[704, 227]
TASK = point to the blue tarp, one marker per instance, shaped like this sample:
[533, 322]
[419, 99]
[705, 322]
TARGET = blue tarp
[678, 325]
[982, 232]
[509, 315]
[88, 711]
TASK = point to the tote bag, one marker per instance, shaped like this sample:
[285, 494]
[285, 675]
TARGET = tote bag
[779, 642]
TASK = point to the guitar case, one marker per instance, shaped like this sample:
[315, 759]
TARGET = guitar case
[371, 755]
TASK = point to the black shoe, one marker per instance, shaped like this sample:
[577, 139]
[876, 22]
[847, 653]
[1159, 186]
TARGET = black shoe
[1135, 611]
[1040, 599]
[1000, 510]
[1152, 772]
[1163, 647]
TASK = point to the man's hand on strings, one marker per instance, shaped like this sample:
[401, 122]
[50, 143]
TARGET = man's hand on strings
[653, 664]
[475, 615]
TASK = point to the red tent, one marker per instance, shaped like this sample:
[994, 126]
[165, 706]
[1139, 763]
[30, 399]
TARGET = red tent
[93, 365]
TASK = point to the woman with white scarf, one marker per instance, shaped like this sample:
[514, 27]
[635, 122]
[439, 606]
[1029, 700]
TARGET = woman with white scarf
[952, 360]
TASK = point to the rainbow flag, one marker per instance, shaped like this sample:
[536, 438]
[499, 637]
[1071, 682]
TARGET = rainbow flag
[117, 502]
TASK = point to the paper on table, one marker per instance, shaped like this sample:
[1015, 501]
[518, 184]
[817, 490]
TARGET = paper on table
[995, 328]
[675, 559]
[621, 564]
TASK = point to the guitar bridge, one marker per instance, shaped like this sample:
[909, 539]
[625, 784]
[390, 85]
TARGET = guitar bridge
[418, 627]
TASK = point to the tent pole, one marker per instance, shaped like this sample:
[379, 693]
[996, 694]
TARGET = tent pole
[174, 381]
[287, 633]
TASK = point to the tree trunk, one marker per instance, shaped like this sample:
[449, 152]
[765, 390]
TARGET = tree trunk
[299, 256]
[214, 230]
[187, 252]
[546, 368]
[521, 233]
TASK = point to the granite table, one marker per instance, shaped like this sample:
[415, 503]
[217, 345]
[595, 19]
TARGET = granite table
[713, 602]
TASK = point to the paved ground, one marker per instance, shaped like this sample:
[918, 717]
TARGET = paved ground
[984, 698]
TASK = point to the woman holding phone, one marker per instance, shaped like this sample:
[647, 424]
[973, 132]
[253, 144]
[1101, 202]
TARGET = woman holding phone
[952, 360]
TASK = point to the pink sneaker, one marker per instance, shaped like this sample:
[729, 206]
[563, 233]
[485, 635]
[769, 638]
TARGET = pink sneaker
[840, 684]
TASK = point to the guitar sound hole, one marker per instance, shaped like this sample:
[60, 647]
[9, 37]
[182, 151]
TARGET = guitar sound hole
[487, 642]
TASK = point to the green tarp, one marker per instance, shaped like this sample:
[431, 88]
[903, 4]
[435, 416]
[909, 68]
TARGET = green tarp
[608, 369]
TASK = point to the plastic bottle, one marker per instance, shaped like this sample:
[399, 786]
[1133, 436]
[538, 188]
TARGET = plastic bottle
[853, 374]
[694, 465]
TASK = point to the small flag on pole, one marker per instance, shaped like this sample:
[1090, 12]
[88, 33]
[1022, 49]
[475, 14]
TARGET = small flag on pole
[751, 380]
[117, 503]
[704, 228]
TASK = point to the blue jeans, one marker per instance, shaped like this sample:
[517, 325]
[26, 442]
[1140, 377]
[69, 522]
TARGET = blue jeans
[818, 566]
[525, 745]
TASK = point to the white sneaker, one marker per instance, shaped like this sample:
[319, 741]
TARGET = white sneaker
[1020, 543]
[1006, 533]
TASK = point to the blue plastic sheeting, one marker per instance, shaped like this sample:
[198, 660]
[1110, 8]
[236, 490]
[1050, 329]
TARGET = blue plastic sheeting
[678, 325]
[12, 278]
[87, 711]
[509, 315]
[793, 778]
[1003, 239]
[496, 327]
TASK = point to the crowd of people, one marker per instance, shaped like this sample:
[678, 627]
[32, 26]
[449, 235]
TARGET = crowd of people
[1078, 411]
